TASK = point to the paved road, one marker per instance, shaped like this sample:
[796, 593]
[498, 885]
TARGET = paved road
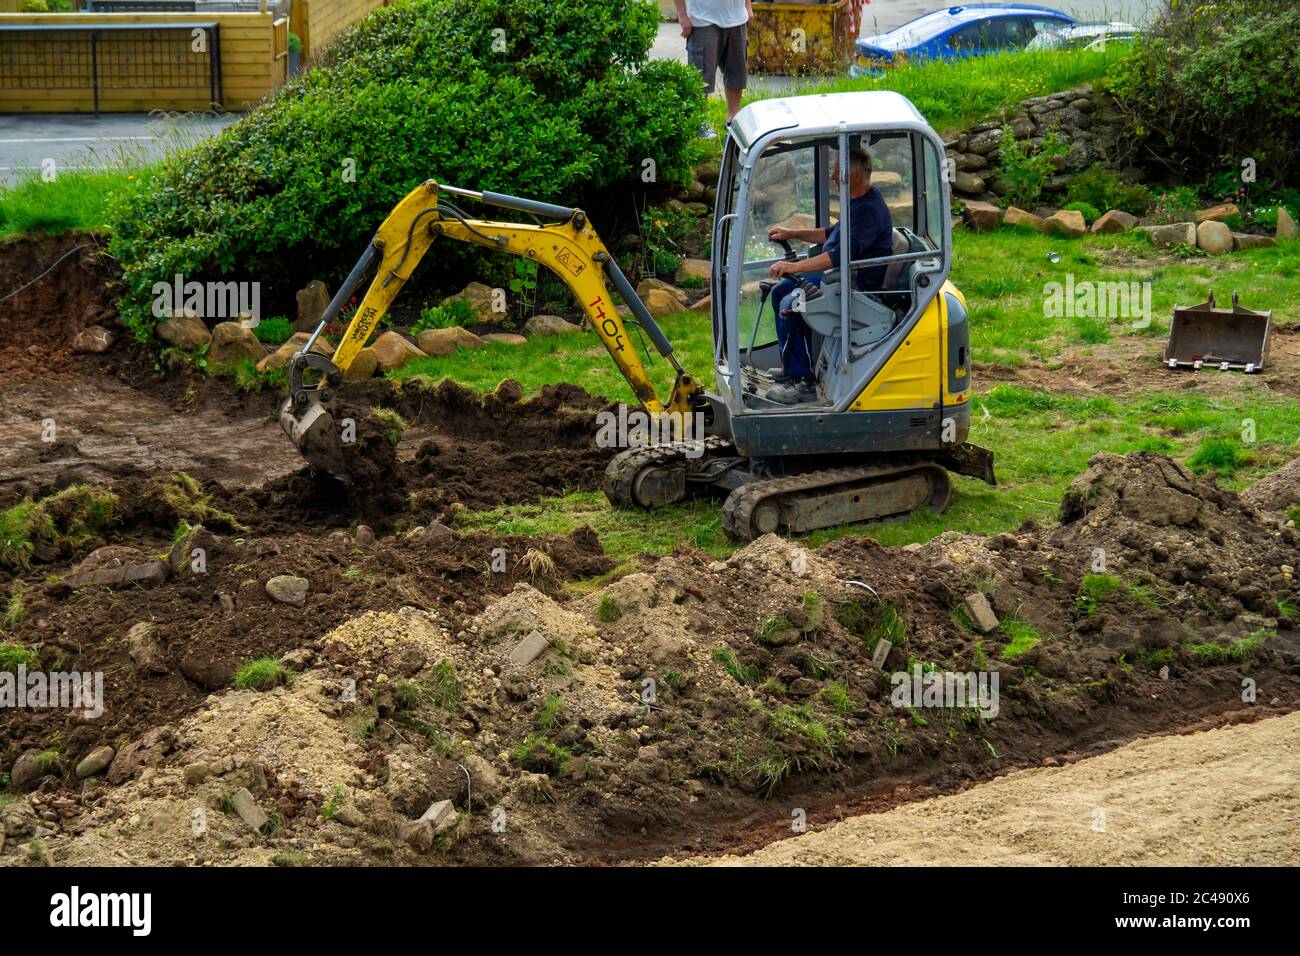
[72, 140]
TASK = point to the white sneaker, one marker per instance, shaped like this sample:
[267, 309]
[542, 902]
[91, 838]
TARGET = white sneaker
[792, 393]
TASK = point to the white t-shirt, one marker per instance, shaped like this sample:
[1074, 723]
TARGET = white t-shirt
[720, 13]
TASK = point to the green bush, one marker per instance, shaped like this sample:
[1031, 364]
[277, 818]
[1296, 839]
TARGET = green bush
[451, 313]
[570, 112]
[1104, 190]
[1027, 172]
[1176, 205]
[1214, 83]
[274, 331]
[1090, 212]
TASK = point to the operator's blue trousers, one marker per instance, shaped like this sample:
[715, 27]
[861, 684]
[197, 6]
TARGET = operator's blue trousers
[792, 332]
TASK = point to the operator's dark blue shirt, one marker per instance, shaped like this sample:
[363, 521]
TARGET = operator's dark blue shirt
[872, 230]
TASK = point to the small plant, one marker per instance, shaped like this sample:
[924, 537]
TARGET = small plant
[273, 331]
[16, 609]
[262, 674]
[837, 698]
[1025, 172]
[335, 801]
[445, 688]
[1089, 211]
[1024, 638]
[608, 609]
[541, 752]
[537, 564]
[1093, 590]
[392, 423]
[1101, 189]
[770, 628]
[741, 673]
[13, 656]
[452, 313]
[551, 715]
[48, 760]
[890, 625]
[1176, 205]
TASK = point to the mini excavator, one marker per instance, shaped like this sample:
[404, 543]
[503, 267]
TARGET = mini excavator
[890, 414]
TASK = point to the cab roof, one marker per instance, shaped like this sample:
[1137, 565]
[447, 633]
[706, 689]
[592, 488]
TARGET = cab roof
[827, 113]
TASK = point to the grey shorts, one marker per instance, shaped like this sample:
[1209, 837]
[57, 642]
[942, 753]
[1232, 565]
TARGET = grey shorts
[709, 47]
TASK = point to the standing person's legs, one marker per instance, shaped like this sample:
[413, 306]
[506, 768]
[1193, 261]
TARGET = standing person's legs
[702, 48]
[733, 58]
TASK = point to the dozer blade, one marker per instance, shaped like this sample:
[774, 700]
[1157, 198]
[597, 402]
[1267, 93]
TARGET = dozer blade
[307, 415]
[1233, 339]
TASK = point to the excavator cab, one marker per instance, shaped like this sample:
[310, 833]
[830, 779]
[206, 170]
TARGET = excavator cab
[888, 340]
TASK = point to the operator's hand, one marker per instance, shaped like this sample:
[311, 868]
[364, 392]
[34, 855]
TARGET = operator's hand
[780, 269]
[777, 233]
[686, 25]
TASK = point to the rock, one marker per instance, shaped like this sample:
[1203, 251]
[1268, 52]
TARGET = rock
[704, 305]
[549, 325]
[661, 302]
[349, 816]
[1015, 216]
[1068, 222]
[184, 329]
[418, 834]
[182, 558]
[1214, 237]
[1115, 220]
[982, 216]
[149, 751]
[440, 533]
[95, 762]
[1242, 240]
[984, 142]
[968, 183]
[981, 614]
[509, 391]
[365, 536]
[94, 340]
[26, 770]
[1220, 212]
[441, 815]
[248, 810]
[288, 589]
[486, 784]
[393, 350]
[280, 357]
[1022, 127]
[313, 300]
[207, 673]
[231, 344]
[529, 649]
[444, 342]
[1177, 233]
[698, 268]
[145, 648]
[152, 572]
[1286, 227]
[364, 365]
[196, 773]
[481, 299]
[505, 338]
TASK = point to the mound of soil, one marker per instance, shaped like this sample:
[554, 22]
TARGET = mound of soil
[70, 286]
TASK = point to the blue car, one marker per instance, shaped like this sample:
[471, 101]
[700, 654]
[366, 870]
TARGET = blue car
[971, 29]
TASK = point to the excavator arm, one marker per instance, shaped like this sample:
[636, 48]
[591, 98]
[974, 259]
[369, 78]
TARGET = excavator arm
[570, 248]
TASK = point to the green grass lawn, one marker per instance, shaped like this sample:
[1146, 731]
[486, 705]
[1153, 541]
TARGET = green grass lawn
[77, 199]
[1042, 440]
[952, 94]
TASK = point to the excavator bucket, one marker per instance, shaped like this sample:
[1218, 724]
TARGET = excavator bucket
[307, 416]
[1233, 339]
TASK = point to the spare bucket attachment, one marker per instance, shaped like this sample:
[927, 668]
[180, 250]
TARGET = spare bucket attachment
[1233, 339]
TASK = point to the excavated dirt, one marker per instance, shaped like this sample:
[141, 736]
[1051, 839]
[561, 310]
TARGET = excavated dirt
[683, 705]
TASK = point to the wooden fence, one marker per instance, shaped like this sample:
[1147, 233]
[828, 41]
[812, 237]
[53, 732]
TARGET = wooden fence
[134, 62]
[317, 22]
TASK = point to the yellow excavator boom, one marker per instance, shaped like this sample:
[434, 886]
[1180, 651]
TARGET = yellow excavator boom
[569, 248]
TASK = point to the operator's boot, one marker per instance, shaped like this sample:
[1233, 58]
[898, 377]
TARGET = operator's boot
[794, 392]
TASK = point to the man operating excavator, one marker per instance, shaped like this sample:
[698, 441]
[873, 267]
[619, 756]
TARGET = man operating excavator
[872, 236]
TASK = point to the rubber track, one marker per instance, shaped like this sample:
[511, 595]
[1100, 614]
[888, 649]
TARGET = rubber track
[738, 510]
[623, 468]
